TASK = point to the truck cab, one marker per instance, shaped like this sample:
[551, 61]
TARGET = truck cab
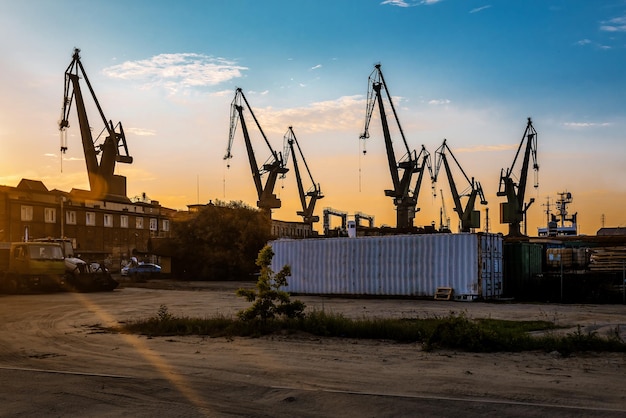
[32, 266]
[80, 275]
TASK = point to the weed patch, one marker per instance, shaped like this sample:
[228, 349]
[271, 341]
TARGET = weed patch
[454, 331]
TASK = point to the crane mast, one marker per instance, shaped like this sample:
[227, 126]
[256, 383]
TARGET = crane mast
[102, 180]
[444, 220]
[424, 157]
[274, 165]
[314, 193]
[402, 170]
[469, 217]
[513, 211]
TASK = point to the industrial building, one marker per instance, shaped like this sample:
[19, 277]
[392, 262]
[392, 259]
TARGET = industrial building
[101, 230]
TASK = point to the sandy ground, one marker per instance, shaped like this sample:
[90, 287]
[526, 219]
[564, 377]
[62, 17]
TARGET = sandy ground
[56, 361]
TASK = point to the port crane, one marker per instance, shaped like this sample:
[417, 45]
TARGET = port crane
[273, 166]
[314, 193]
[444, 220]
[513, 211]
[111, 150]
[469, 217]
[401, 170]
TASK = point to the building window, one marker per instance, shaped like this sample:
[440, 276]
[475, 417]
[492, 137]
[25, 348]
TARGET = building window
[70, 217]
[154, 224]
[124, 221]
[27, 213]
[90, 219]
[139, 223]
[108, 220]
[50, 215]
[166, 225]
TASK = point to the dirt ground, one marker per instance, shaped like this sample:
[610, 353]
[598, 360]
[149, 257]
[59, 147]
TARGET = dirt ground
[56, 361]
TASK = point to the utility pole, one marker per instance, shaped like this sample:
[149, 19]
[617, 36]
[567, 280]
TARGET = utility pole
[602, 219]
[547, 205]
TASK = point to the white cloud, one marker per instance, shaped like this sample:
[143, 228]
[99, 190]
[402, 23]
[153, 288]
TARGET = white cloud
[140, 131]
[260, 93]
[403, 3]
[316, 117]
[174, 71]
[64, 158]
[617, 24]
[438, 102]
[480, 9]
[487, 148]
[316, 67]
[582, 125]
[584, 42]
[399, 3]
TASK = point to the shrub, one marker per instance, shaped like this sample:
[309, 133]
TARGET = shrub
[269, 301]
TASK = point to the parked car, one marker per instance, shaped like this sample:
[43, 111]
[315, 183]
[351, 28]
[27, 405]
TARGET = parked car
[141, 270]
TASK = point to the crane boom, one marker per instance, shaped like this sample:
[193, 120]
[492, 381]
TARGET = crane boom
[401, 194]
[513, 211]
[314, 193]
[424, 157]
[274, 165]
[469, 217]
[102, 179]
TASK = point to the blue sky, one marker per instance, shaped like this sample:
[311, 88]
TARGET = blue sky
[468, 71]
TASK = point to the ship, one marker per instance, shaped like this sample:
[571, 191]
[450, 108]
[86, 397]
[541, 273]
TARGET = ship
[559, 224]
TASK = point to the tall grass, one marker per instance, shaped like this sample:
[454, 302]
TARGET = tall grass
[454, 331]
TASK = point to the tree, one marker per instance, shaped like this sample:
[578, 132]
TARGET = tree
[269, 301]
[220, 241]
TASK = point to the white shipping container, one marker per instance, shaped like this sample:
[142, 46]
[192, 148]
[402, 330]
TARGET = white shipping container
[399, 265]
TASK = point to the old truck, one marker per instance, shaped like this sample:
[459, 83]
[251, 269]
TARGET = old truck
[31, 266]
[82, 276]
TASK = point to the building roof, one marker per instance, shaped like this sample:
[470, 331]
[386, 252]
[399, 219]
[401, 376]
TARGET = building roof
[32, 185]
[612, 231]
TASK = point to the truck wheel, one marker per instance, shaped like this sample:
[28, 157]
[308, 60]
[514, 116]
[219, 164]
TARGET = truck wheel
[11, 285]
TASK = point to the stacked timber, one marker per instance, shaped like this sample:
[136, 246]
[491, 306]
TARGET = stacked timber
[611, 259]
[567, 258]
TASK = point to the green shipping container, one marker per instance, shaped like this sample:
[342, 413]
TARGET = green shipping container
[522, 266]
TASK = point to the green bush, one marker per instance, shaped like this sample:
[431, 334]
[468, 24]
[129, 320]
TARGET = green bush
[269, 301]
